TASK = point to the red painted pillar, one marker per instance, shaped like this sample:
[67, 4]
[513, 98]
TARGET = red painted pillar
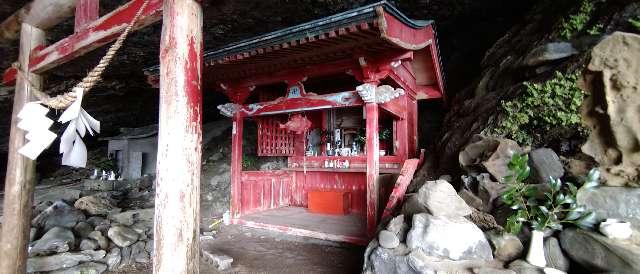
[20, 177]
[177, 202]
[236, 164]
[373, 167]
[87, 11]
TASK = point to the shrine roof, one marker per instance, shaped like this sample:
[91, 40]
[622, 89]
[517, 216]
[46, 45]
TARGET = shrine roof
[371, 30]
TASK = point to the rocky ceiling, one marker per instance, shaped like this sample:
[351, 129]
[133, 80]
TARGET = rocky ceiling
[466, 29]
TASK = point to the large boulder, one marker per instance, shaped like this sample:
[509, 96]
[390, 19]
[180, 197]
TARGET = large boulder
[597, 253]
[506, 247]
[122, 235]
[58, 214]
[554, 256]
[389, 261]
[98, 204]
[492, 154]
[440, 199]
[453, 238]
[612, 202]
[612, 81]
[56, 240]
[545, 163]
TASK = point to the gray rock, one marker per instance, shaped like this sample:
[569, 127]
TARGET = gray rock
[88, 244]
[489, 270]
[398, 227]
[82, 229]
[138, 253]
[522, 267]
[98, 185]
[412, 205]
[32, 234]
[103, 242]
[549, 52]
[113, 258]
[94, 254]
[83, 268]
[471, 199]
[391, 261]
[58, 214]
[56, 240]
[554, 256]
[126, 257]
[128, 218]
[65, 194]
[597, 253]
[98, 204]
[446, 177]
[388, 239]
[453, 238]
[613, 202]
[122, 235]
[98, 221]
[489, 192]
[221, 261]
[422, 263]
[496, 165]
[149, 247]
[545, 163]
[367, 267]
[506, 247]
[441, 199]
[54, 262]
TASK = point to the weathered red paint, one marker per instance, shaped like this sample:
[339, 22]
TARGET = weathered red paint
[236, 164]
[87, 11]
[99, 32]
[373, 167]
[177, 196]
[309, 102]
[397, 195]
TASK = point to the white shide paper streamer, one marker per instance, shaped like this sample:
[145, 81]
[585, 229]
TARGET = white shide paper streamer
[74, 151]
[33, 120]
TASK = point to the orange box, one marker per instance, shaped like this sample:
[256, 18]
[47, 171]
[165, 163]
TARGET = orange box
[329, 202]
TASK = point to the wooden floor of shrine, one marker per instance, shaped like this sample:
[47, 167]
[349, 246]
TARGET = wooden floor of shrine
[299, 221]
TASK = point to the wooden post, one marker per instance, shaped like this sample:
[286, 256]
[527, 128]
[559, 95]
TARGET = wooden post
[87, 11]
[373, 167]
[236, 164]
[177, 203]
[20, 177]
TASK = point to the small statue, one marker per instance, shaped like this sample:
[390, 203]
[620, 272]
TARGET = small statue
[104, 175]
[94, 175]
[112, 176]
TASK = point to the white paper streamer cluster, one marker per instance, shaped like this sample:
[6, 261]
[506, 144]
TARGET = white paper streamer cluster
[33, 120]
[73, 150]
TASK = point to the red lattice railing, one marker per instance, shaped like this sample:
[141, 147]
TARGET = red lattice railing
[273, 140]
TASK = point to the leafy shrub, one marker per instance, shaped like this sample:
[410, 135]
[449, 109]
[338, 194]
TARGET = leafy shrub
[552, 209]
[577, 22]
[542, 107]
[596, 29]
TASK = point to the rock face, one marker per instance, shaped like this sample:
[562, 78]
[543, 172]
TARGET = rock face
[97, 205]
[612, 202]
[122, 235]
[545, 163]
[440, 199]
[58, 214]
[611, 109]
[454, 238]
[597, 253]
[56, 240]
[549, 52]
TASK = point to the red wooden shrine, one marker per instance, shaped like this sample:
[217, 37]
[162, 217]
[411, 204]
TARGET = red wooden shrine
[359, 72]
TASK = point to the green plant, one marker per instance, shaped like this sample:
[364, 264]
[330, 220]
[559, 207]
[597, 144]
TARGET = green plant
[578, 21]
[384, 134]
[635, 22]
[551, 209]
[249, 162]
[542, 107]
[595, 29]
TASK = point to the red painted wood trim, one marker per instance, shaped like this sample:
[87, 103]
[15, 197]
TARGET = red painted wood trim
[236, 164]
[310, 102]
[9, 76]
[395, 107]
[303, 232]
[101, 31]
[397, 195]
[397, 33]
[87, 11]
[373, 167]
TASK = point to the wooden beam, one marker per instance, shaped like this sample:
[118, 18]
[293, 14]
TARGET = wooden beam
[101, 31]
[373, 167]
[307, 103]
[20, 178]
[87, 11]
[397, 194]
[236, 164]
[41, 14]
[177, 199]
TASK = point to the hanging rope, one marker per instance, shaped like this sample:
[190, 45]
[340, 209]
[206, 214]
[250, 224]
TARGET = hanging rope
[63, 101]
